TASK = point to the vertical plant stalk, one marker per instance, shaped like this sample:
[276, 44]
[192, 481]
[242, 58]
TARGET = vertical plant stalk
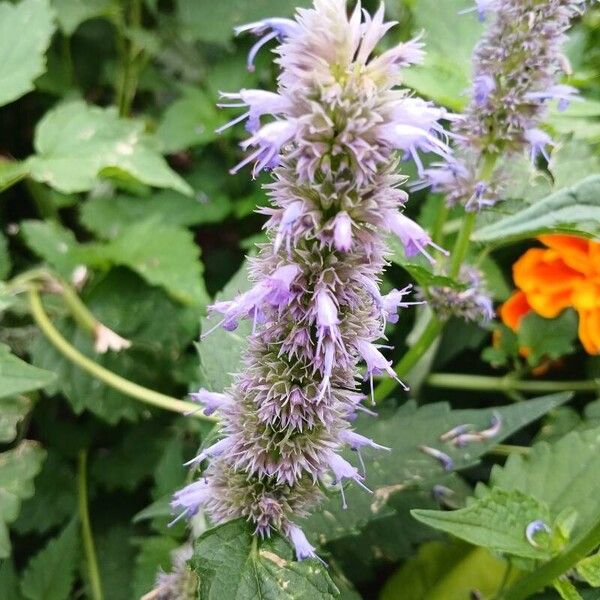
[86, 528]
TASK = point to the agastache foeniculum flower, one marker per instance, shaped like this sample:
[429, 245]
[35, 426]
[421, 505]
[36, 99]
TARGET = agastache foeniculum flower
[333, 136]
[516, 69]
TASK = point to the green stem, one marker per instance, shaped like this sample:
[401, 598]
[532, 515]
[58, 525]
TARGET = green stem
[410, 359]
[508, 449]
[483, 383]
[437, 235]
[78, 309]
[108, 377]
[546, 574]
[86, 529]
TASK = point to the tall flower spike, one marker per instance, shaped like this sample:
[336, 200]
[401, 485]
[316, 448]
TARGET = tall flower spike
[516, 68]
[339, 126]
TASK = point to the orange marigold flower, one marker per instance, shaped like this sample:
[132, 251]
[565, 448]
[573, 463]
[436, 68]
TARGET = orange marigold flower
[564, 274]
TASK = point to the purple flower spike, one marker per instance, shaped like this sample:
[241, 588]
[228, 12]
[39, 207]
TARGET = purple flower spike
[483, 86]
[564, 94]
[258, 102]
[413, 237]
[342, 232]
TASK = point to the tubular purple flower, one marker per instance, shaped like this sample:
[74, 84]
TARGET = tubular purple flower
[483, 86]
[212, 401]
[538, 140]
[564, 94]
[413, 237]
[340, 125]
[482, 7]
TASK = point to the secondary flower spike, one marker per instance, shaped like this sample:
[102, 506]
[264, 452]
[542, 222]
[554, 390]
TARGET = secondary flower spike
[333, 137]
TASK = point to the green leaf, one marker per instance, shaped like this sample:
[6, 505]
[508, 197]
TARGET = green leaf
[12, 412]
[54, 487]
[589, 569]
[18, 377]
[230, 566]
[450, 38]
[18, 467]
[164, 255]
[561, 475]
[566, 590]
[406, 467]
[9, 581]
[154, 557]
[5, 262]
[552, 338]
[215, 23]
[11, 172]
[496, 521]
[189, 121]
[25, 32]
[70, 14]
[220, 352]
[52, 242]
[446, 571]
[116, 559]
[572, 210]
[76, 144]
[49, 575]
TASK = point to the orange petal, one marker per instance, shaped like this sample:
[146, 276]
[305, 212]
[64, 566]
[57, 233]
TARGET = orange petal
[586, 295]
[514, 309]
[544, 270]
[550, 304]
[573, 250]
[589, 330]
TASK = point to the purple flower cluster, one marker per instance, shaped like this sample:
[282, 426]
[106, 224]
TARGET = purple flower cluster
[333, 136]
[516, 66]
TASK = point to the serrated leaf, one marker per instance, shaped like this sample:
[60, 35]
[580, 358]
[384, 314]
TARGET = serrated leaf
[12, 412]
[189, 121]
[572, 210]
[49, 575]
[496, 521]
[153, 557]
[215, 23]
[76, 144]
[230, 566]
[19, 377]
[71, 13]
[589, 569]
[406, 467]
[446, 571]
[54, 487]
[563, 475]
[220, 352]
[18, 467]
[552, 338]
[450, 38]
[25, 32]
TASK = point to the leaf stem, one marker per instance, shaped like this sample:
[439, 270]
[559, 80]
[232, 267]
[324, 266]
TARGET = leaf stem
[108, 377]
[86, 528]
[508, 449]
[507, 383]
[546, 574]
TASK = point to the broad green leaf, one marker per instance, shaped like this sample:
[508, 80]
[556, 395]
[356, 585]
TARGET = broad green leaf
[406, 467]
[76, 144]
[449, 38]
[496, 521]
[54, 487]
[589, 569]
[552, 338]
[52, 242]
[561, 475]
[12, 412]
[18, 467]
[231, 566]
[189, 121]
[115, 546]
[221, 351]
[18, 377]
[164, 255]
[215, 22]
[446, 571]
[25, 32]
[572, 210]
[72, 13]
[566, 589]
[9, 581]
[50, 574]
[10, 173]
[154, 556]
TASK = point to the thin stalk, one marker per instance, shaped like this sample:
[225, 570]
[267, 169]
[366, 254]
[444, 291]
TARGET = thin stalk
[108, 377]
[508, 449]
[484, 383]
[78, 309]
[546, 574]
[86, 529]
[410, 359]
